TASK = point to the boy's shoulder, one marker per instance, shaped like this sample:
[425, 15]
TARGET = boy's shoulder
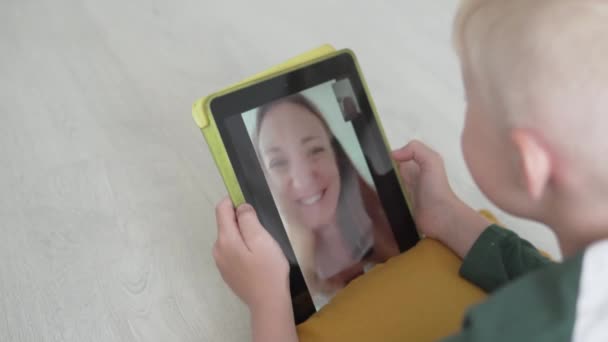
[558, 302]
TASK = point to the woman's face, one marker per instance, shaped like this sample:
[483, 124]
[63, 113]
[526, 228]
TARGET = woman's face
[300, 164]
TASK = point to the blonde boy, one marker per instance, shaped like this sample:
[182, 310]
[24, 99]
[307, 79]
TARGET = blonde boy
[536, 79]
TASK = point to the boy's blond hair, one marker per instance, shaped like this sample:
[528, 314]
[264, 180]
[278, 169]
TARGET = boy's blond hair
[543, 65]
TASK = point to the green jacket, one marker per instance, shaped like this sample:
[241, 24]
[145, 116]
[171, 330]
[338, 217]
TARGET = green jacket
[533, 298]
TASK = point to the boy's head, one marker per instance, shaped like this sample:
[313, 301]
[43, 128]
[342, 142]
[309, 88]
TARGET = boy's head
[536, 80]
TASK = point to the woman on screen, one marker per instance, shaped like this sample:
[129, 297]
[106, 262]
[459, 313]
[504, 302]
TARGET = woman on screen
[333, 217]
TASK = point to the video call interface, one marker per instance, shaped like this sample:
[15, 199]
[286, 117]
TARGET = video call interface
[314, 164]
[322, 186]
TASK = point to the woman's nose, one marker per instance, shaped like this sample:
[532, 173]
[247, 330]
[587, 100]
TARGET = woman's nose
[303, 176]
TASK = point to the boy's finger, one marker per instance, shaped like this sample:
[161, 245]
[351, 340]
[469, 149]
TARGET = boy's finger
[406, 152]
[248, 223]
[416, 151]
[227, 227]
[223, 212]
[409, 171]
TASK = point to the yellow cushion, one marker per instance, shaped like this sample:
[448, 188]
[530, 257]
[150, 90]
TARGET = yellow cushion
[417, 296]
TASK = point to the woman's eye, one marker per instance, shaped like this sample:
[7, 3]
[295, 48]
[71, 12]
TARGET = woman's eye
[316, 150]
[277, 163]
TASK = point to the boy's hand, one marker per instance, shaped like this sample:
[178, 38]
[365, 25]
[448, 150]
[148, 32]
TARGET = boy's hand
[438, 212]
[248, 258]
[431, 196]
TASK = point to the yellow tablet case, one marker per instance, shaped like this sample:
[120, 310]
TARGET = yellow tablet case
[204, 118]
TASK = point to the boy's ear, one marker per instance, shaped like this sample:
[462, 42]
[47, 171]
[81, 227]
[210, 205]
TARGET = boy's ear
[535, 161]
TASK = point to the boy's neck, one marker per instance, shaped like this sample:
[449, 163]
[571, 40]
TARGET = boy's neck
[571, 245]
[580, 225]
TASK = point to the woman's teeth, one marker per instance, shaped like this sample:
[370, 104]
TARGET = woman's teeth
[311, 200]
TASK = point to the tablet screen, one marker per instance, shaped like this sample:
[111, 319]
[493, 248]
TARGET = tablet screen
[314, 164]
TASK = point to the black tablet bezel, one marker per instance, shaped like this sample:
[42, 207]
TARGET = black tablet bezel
[227, 110]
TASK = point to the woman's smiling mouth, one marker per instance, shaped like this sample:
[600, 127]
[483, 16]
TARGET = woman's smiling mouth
[310, 200]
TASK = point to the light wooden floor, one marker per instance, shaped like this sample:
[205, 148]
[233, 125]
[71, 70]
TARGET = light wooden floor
[106, 186]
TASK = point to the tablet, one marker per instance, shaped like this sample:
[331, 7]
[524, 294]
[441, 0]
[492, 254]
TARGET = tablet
[305, 147]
